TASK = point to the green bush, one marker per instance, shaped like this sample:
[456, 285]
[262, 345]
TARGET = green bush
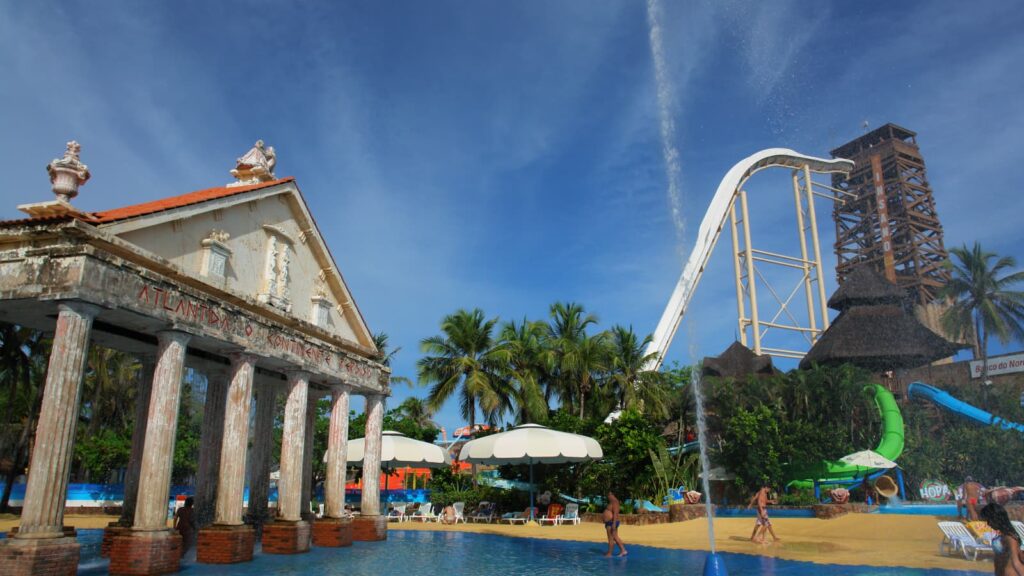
[798, 498]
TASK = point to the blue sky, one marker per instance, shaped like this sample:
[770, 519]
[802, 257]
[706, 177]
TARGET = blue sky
[506, 155]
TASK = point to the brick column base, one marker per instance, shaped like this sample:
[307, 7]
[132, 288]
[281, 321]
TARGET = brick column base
[39, 556]
[369, 528]
[112, 529]
[138, 553]
[220, 544]
[332, 532]
[283, 537]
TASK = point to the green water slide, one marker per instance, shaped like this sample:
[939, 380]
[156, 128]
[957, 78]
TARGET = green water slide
[890, 446]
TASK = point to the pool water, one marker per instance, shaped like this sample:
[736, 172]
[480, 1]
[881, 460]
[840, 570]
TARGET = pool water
[458, 553]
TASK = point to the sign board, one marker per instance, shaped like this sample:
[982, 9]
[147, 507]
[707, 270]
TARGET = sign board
[1001, 365]
[935, 491]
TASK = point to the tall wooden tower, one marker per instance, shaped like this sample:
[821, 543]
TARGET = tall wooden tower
[886, 213]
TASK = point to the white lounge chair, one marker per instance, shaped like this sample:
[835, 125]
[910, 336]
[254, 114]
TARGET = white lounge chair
[958, 537]
[1019, 527]
[459, 507]
[425, 513]
[571, 515]
[484, 512]
[397, 513]
[521, 517]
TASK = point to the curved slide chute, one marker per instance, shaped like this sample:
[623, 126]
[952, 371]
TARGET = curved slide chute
[945, 400]
[890, 447]
[711, 229]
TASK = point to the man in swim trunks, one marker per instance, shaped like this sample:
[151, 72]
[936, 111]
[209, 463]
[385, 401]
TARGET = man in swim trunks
[972, 495]
[611, 525]
[762, 499]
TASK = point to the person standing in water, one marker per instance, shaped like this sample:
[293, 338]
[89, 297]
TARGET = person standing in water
[185, 523]
[762, 499]
[1009, 559]
[611, 525]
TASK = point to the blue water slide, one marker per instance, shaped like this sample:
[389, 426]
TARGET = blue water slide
[945, 400]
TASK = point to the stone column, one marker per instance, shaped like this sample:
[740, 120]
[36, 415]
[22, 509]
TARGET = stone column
[228, 540]
[40, 544]
[307, 458]
[151, 547]
[211, 437]
[335, 528]
[262, 445]
[371, 525]
[337, 453]
[290, 534]
[131, 477]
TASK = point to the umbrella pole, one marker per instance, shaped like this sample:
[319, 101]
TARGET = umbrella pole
[531, 490]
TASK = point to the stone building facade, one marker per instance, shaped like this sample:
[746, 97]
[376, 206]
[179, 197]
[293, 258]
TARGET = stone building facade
[233, 281]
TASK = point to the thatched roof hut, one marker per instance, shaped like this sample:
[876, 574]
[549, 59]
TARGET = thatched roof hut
[738, 361]
[874, 329]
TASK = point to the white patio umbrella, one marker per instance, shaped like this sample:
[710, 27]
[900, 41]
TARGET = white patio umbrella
[398, 451]
[868, 459]
[531, 444]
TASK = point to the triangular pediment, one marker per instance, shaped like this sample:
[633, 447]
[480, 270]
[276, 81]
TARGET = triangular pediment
[259, 242]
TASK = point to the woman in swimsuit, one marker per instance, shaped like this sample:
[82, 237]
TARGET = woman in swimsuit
[1009, 560]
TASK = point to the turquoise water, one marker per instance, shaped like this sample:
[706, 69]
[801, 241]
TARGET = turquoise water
[458, 553]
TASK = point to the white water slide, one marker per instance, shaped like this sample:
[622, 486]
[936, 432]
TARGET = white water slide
[711, 228]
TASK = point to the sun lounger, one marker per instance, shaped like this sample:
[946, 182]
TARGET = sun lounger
[397, 513]
[958, 537]
[521, 517]
[553, 514]
[1019, 527]
[484, 513]
[459, 508]
[571, 515]
[425, 513]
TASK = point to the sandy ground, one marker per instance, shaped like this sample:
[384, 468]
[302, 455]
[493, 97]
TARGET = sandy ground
[855, 539]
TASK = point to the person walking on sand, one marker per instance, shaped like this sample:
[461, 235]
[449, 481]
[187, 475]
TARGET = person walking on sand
[185, 524]
[1009, 558]
[972, 495]
[762, 499]
[611, 525]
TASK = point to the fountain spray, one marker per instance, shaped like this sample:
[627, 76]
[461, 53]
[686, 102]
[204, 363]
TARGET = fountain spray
[713, 565]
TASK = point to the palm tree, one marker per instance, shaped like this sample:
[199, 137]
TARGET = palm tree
[380, 340]
[24, 355]
[576, 357]
[984, 301]
[110, 385]
[529, 361]
[418, 410]
[465, 360]
[632, 383]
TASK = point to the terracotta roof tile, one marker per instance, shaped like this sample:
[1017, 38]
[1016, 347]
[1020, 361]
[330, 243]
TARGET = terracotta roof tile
[178, 201]
[125, 212]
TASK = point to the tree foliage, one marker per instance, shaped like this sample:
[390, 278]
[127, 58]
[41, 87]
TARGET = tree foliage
[985, 302]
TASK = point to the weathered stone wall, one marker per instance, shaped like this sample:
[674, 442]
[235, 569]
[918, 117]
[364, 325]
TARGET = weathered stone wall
[80, 271]
[630, 519]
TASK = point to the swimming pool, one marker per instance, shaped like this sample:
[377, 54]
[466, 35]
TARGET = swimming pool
[456, 553]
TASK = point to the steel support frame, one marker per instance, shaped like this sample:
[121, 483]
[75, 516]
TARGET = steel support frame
[752, 326]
